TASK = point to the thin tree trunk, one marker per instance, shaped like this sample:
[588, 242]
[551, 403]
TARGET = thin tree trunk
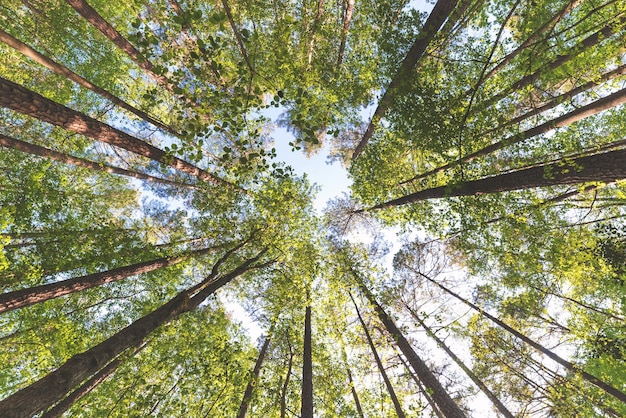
[439, 14]
[379, 363]
[29, 103]
[600, 105]
[233, 25]
[247, 396]
[37, 294]
[447, 406]
[283, 393]
[347, 19]
[53, 387]
[606, 167]
[314, 28]
[492, 397]
[355, 395]
[69, 74]
[92, 16]
[29, 148]
[307, 369]
[618, 394]
[423, 391]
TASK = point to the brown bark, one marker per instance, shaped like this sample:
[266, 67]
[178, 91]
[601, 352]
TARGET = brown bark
[29, 103]
[355, 395]
[609, 389]
[29, 148]
[51, 388]
[379, 363]
[92, 16]
[600, 105]
[247, 396]
[347, 19]
[492, 397]
[307, 369]
[445, 403]
[606, 167]
[37, 294]
[283, 393]
[439, 14]
[69, 74]
[233, 25]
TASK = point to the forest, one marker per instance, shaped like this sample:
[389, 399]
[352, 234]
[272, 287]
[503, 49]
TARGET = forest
[158, 258]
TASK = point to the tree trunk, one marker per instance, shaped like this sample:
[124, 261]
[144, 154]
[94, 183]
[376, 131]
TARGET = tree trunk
[606, 167]
[307, 369]
[233, 25]
[492, 397]
[69, 74]
[379, 363]
[591, 109]
[29, 148]
[29, 103]
[439, 14]
[247, 396]
[447, 406]
[37, 294]
[283, 393]
[51, 388]
[347, 19]
[566, 364]
[355, 395]
[422, 390]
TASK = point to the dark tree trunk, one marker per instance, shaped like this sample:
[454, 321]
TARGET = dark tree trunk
[355, 395]
[307, 369]
[439, 14]
[69, 74]
[447, 406]
[379, 363]
[492, 397]
[606, 167]
[347, 18]
[29, 103]
[247, 396]
[38, 294]
[233, 25]
[29, 148]
[283, 393]
[54, 386]
[566, 364]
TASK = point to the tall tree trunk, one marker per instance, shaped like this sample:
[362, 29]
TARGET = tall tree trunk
[37, 294]
[314, 28]
[307, 368]
[438, 15]
[29, 148]
[69, 74]
[233, 25]
[347, 19]
[422, 390]
[54, 386]
[618, 394]
[247, 396]
[379, 363]
[29, 103]
[92, 16]
[606, 167]
[355, 395]
[600, 105]
[283, 392]
[492, 397]
[447, 406]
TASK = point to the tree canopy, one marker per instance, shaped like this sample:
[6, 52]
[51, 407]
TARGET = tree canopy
[150, 232]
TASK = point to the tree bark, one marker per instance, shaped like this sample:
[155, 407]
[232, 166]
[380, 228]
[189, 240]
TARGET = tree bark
[355, 395]
[69, 74]
[439, 14]
[233, 25]
[37, 294]
[379, 363]
[616, 393]
[447, 406]
[347, 19]
[492, 397]
[29, 148]
[51, 388]
[247, 396]
[606, 167]
[29, 103]
[283, 393]
[307, 369]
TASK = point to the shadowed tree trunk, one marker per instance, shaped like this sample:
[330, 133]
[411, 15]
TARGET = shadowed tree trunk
[43, 393]
[379, 363]
[438, 15]
[307, 368]
[618, 394]
[283, 392]
[247, 396]
[38, 294]
[606, 167]
[445, 403]
[69, 74]
[29, 148]
[29, 103]
[347, 18]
